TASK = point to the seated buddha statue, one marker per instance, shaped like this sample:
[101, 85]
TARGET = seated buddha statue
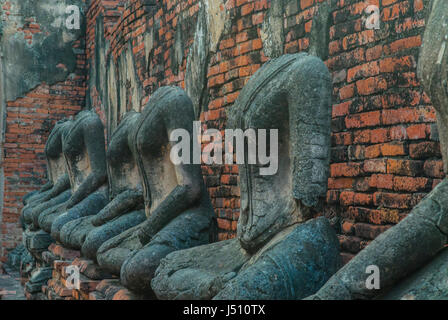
[177, 205]
[36, 241]
[411, 258]
[83, 148]
[57, 189]
[281, 250]
[126, 208]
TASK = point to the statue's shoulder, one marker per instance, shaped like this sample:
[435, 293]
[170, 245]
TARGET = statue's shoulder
[170, 99]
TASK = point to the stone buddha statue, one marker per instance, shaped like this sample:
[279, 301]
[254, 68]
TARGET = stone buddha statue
[411, 258]
[36, 241]
[177, 205]
[83, 149]
[57, 189]
[126, 206]
[280, 252]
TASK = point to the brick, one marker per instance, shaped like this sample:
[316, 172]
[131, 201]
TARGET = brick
[393, 200]
[393, 149]
[434, 168]
[411, 184]
[367, 231]
[347, 227]
[397, 64]
[371, 85]
[363, 71]
[367, 119]
[345, 169]
[425, 150]
[381, 181]
[404, 167]
[375, 166]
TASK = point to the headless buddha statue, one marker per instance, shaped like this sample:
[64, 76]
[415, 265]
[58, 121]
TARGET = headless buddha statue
[34, 240]
[177, 204]
[37, 241]
[411, 257]
[280, 252]
[126, 207]
[83, 148]
[57, 190]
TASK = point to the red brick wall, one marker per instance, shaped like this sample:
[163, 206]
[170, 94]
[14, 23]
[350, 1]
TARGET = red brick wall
[28, 122]
[386, 154]
[385, 150]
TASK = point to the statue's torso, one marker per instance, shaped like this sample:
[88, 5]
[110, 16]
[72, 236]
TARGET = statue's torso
[53, 152]
[122, 169]
[152, 153]
[266, 201]
[75, 154]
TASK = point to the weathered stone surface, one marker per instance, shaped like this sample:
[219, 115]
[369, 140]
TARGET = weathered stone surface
[177, 203]
[84, 151]
[200, 272]
[272, 31]
[398, 252]
[38, 278]
[112, 253]
[15, 257]
[56, 191]
[302, 83]
[38, 241]
[125, 192]
[433, 69]
[28, 64]
[211, 23]
[282, 265]
[293, 265]
[428, 283]
[98, 236]
[320, 30]
[302, 258]
[33, 216]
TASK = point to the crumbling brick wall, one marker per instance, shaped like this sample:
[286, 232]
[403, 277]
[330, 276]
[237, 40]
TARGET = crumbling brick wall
[386, 155]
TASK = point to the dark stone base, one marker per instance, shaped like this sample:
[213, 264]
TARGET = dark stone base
[38, 279]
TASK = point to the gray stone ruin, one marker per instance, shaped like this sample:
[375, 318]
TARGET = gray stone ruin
[177, 205]
[84, 154]
[150, 221]
[412, 257]
[54, 193]
[79, 147]
[126, 207]
[58, 183]
[281, 252]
